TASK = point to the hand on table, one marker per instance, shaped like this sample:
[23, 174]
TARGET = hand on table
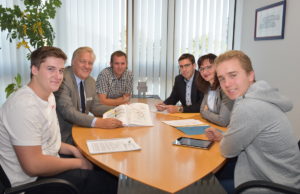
[126, 98]
[161, 106]
[213, 134]
[108, 123]
[172, 108]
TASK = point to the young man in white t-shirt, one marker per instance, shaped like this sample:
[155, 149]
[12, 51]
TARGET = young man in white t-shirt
[30, 141]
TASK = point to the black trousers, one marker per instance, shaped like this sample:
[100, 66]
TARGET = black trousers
[226, 175]
[87, 181]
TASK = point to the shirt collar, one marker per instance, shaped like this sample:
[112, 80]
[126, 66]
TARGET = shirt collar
[190, 80]
[115, 77]
[78, 80]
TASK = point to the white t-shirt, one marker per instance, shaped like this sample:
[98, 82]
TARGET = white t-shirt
[27, 120]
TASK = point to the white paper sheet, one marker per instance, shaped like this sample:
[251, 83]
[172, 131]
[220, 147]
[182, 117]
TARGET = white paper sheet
[184, 122]
[112, 145]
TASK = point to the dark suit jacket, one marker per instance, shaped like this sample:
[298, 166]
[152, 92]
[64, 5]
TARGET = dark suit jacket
[178, 94]
[68, 104]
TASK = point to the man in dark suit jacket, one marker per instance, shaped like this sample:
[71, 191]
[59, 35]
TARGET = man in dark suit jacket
[70, 109]
[184, 89]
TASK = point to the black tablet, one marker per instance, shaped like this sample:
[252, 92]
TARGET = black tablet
[191, 142]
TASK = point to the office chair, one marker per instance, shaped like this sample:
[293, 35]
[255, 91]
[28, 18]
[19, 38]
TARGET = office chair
[5, 186]
[267, 185]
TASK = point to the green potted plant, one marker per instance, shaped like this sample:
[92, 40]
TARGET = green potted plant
[30, 27]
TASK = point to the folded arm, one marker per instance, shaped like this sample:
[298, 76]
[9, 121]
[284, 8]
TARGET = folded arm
[114, 101]
[222, 118]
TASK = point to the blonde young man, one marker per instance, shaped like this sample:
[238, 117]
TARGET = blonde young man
[77, 97]
[259, 133]
[114, 83]
[184, 89]
[30, 141]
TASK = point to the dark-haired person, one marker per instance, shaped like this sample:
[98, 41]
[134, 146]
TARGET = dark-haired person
[184, 89]
[30, 140]
[114, 84]
[216, 106]
[259, 132]
[74, 108]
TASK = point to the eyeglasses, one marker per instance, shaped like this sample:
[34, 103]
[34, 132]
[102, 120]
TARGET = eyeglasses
[205, 68]
[184, 66]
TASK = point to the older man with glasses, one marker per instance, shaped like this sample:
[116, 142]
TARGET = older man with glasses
[184, 89]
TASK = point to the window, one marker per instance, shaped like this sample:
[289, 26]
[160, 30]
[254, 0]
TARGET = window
[99, 24]
[149, 42]
[154, 33]
[165, 29]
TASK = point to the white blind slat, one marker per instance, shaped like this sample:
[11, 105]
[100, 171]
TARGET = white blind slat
[158, 31]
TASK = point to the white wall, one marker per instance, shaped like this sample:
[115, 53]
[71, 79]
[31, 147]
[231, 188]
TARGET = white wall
[276, 61]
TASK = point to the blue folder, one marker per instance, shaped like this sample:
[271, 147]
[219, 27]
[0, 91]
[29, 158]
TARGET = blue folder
[195, 130]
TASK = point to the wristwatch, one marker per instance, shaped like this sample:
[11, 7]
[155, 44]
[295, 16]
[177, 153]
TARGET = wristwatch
[180, 109]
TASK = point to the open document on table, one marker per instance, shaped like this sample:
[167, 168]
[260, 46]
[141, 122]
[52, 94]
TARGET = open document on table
[112, 145]
[134, 114]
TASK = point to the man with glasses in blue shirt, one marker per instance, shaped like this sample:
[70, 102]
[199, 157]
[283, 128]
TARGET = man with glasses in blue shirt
[184, 89]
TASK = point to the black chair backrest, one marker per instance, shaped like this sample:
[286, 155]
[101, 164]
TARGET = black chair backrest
[4, 182]
[266, 185]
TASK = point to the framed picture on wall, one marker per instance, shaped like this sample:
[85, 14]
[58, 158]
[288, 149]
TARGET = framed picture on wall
[269, 22]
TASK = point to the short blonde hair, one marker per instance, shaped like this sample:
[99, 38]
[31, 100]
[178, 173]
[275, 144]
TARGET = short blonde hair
[81, 50]
[235, 54]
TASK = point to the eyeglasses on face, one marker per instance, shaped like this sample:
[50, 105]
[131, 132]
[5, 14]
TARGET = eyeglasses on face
[205, 68]
[184, 66]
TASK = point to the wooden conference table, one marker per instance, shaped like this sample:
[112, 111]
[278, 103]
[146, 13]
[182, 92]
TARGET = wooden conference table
[158, 164]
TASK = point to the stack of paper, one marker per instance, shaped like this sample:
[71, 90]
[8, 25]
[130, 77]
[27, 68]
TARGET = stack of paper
[112, 145]
[184, 122]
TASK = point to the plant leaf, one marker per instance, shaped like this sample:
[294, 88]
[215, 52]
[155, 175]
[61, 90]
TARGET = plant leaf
[10, 89]
[18, 80]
